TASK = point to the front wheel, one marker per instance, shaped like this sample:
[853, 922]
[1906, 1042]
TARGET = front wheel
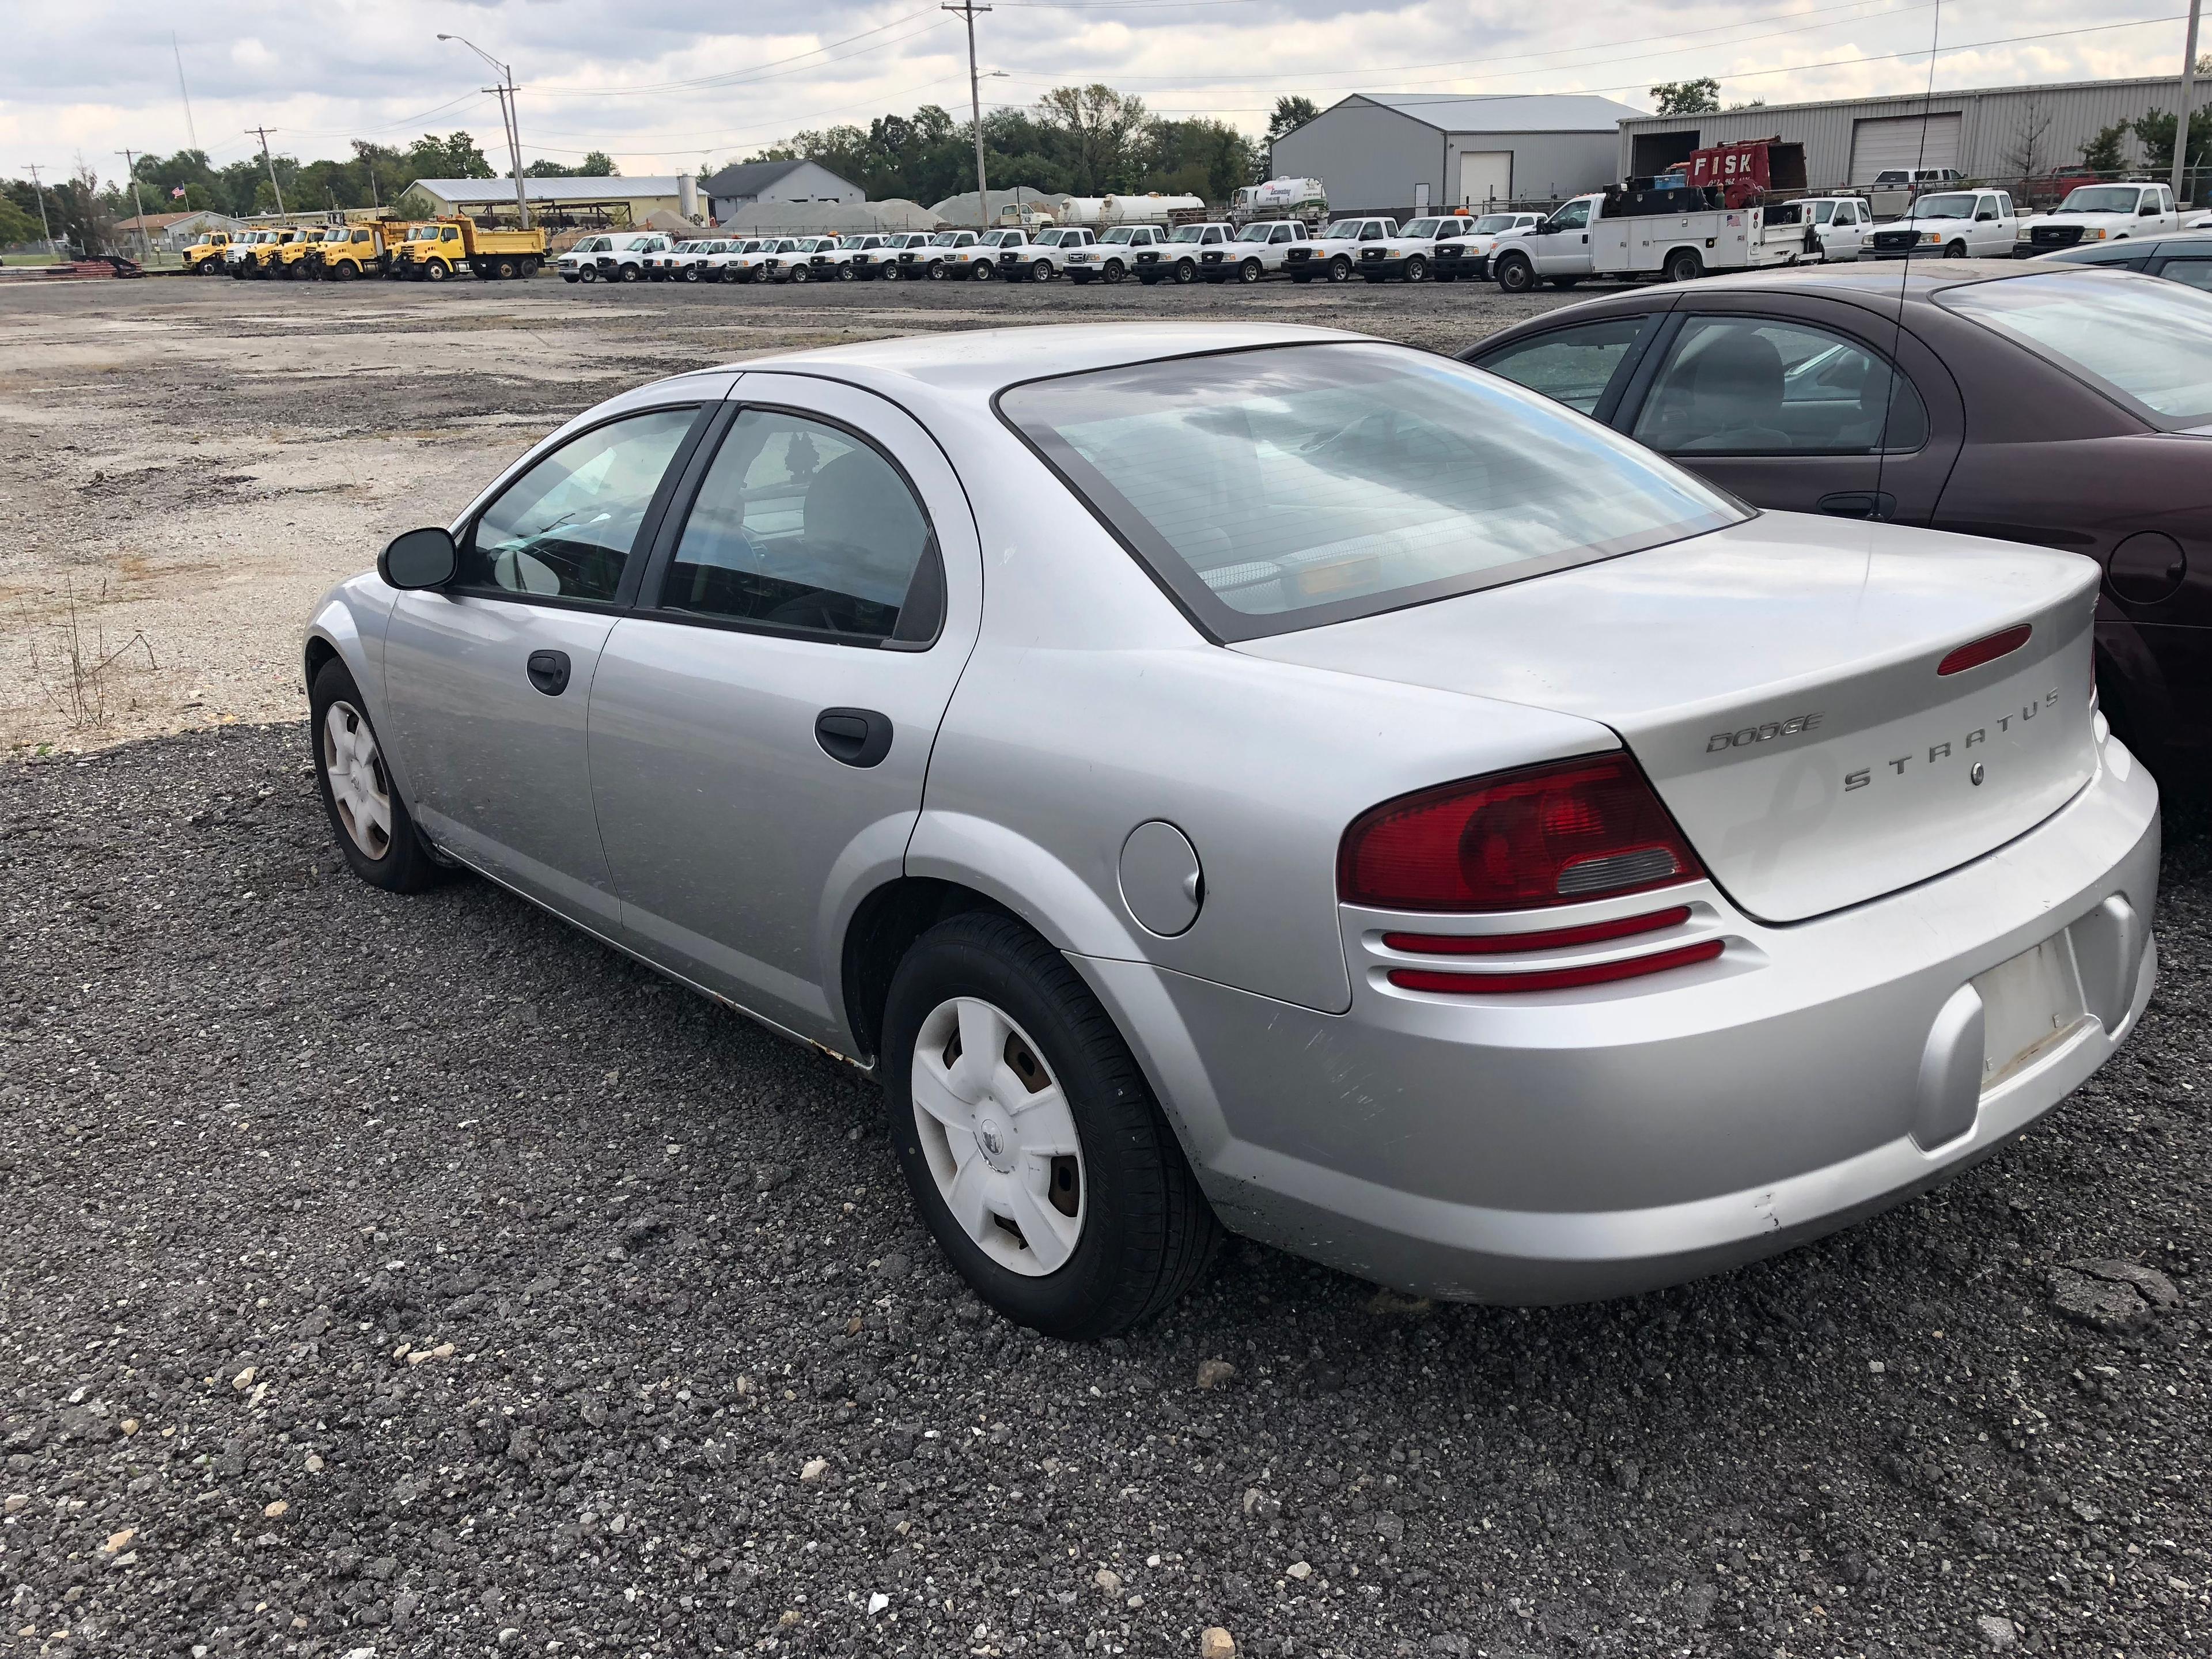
[801, 274]
[982, 273]
[1955, 251]
[1251, 271]
[1416, 270]
[1186, 270]
[1041, 271]
[588, 274]
[1339, 269]
[629, 273]
[374, 829]
[1515, 276]
[846, 273]
[436, 271]
[1114, 271]
[1029, 1139]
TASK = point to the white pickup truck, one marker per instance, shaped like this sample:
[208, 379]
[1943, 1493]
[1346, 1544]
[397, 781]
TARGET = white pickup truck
[747, 267]
[1413, 254]
[1054, 246]
[883, 263]
[1336, 252]
[1177, 262]
[2103, 213]
[1956, 224]
[1259, 250]
[1469, 257]
[1114, 254]
[1581, 239]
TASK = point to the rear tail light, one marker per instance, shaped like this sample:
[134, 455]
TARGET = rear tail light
[1558, 833]
[1975, 653]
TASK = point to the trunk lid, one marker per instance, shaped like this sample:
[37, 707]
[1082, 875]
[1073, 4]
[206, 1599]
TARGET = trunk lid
[1778, 681]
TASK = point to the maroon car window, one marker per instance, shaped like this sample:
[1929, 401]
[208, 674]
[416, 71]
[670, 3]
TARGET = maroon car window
[1756, 386]
[2143, 342]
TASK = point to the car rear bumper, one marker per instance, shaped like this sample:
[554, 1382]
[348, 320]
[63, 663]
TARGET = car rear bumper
[1574, 1145]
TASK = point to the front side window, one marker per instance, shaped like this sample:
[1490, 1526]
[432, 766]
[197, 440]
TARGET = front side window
[1572, 365]
[2147, 343]
[567, 528]
[1573, 216]
[801, 525]
[1291, 486]
[1749, 386]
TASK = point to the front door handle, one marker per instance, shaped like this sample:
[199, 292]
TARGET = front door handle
[548, 671]
[857, 737]
[1859, 504]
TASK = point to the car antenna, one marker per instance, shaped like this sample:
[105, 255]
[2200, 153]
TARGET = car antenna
[1904, 272]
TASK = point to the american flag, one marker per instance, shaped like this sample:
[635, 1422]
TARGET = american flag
[178, 191]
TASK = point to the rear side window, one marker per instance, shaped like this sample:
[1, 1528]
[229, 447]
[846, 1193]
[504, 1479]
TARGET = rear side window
[2146, 343]
[1573, 366]
[803, 525]
[1751, 385]
[1281, 488]
[567, 528]
[2194, 273]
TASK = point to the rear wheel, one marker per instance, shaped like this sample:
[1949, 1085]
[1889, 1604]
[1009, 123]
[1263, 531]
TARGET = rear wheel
[374, 829]
[1685, 266]
[1029, 1139]
[506, 270]
[1515, 274]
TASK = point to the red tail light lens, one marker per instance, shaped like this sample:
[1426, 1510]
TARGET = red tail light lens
[1978, 652]
[1558, 833]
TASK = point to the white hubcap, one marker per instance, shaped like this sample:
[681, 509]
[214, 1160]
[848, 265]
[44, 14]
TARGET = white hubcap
[997, 1136]
[358, 786]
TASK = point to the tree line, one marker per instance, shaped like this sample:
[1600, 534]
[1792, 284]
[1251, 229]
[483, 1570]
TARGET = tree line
[1086, 141]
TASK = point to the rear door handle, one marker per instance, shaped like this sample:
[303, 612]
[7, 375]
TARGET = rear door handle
[1859, 504]
[548, 671]
[856, 736]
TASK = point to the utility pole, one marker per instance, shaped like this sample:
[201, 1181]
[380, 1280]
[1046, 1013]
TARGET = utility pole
[2181, 120]
[262, 133]
[145, 242]
[510, 120]
[967, 9]
[40, 191]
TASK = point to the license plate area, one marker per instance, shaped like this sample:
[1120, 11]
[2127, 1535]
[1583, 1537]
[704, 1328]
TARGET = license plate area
[2030, 1005]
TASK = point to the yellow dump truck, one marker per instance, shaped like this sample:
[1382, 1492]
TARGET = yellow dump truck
[204, 256]
[263, 251]
[348, 252]
[441, 248]
[293, 259]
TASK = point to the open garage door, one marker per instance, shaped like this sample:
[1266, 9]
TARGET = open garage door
[1896, 141]
[1485, 175]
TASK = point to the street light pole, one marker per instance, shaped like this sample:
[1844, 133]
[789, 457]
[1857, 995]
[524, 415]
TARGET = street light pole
[510, 120]
[2181, 120]
[967, 9]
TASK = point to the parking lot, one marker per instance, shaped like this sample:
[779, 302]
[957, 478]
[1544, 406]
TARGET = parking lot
[417, 1276]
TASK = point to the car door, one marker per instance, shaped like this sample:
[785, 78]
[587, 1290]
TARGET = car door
[1793, 402]
[487, 681]
[1844, 233]
[1560, 245]
[762, 723]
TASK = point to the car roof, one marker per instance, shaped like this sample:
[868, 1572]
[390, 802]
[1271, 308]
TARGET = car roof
[983, 363]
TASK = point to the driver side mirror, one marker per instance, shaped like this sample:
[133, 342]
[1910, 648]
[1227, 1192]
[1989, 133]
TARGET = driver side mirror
[420, 559]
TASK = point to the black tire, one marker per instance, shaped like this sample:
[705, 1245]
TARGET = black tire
[983, 271]
[1186, 270]
[631, 273]
[846, 273]
[1251, 271]
[1148, 1233]
[1516, 275]
[1417, 269]
[504, 271]
[1301, 277]
[405, 865]
[570, 276]
[1339, 269]
[936, 270]
[1115, 270]
[1079, 277]
[1563, 282]
[1684, 264]
[1955, 251]
[436, 271]
[588, 274]
[1041, 271]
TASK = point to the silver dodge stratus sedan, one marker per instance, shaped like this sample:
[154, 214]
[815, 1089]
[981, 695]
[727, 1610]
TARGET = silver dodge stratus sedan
[1267, 778]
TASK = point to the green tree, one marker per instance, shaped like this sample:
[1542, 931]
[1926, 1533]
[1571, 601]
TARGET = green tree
[1289, 115]
[2104, 153]
[1100, 134]
[17, 227]
[1201, 157]
[1699, 97]
[2154, 131]
[454, 156]
[596, 164]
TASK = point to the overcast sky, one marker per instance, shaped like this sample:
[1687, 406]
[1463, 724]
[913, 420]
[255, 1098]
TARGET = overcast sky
[664, 84]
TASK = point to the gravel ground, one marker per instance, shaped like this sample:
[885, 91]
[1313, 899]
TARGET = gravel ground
[413, 1276]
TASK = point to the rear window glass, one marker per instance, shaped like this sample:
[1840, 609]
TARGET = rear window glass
[1281, 488]
[2146, 343]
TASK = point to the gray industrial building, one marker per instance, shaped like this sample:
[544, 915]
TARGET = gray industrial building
[1995, 133]
[1391, 153]
[750, 184]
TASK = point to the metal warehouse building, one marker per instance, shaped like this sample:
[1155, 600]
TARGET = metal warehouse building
[1994, 133]
[1387, 153]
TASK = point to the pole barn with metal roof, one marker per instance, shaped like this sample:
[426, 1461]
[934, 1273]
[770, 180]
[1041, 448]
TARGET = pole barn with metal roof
[1394, 152]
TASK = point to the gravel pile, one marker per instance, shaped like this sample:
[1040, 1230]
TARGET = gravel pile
[413, 1276]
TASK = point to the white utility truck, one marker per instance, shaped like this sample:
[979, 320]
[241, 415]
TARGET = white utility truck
[1641, 232]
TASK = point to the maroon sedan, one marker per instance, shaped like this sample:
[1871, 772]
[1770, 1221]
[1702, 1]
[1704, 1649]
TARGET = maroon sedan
[2033, 402]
